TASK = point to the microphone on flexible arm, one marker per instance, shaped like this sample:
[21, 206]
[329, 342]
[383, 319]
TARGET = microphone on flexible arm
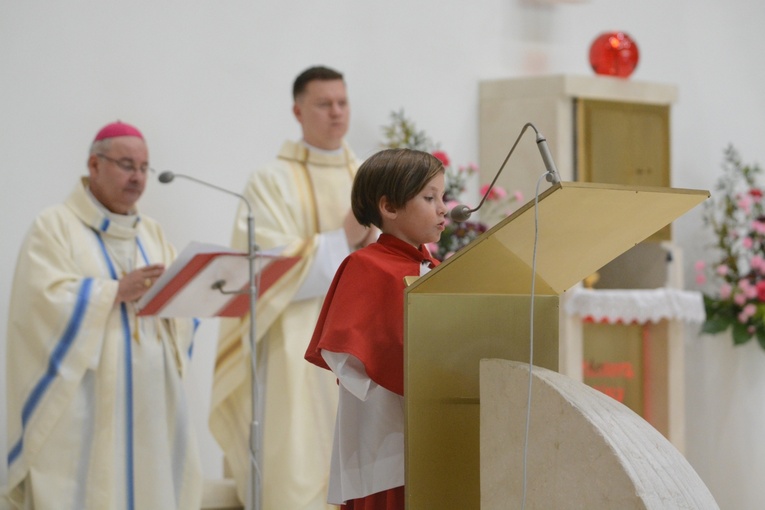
[462, 212]
[168, 176]
[256, 438]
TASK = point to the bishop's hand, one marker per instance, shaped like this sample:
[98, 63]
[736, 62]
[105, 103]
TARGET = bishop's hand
[134, 285]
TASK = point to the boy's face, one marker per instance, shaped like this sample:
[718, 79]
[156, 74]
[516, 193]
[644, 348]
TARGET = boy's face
[422, 218]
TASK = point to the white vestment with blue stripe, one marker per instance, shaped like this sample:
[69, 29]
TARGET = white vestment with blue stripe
[97, 413]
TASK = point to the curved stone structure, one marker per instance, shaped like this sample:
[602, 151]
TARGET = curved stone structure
[585, 449]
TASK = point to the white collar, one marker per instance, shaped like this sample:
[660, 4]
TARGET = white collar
[332, 152]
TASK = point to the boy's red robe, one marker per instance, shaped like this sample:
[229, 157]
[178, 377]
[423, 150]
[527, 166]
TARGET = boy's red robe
[363, 313]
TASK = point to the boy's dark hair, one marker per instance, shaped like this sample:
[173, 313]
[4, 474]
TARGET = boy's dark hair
[398, 174]
[311, 74]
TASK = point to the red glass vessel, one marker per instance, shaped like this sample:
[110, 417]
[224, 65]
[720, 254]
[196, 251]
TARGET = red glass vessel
[614, 54]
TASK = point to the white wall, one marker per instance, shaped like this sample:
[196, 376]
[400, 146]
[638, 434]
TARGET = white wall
[209, 85]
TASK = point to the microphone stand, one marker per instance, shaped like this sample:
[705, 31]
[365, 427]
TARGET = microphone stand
[255, 489]
[462, 212]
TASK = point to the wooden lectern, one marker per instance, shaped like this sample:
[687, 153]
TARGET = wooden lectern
[477, 305]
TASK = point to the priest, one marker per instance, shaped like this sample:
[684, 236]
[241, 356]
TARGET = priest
[97, 413]
[300, 201]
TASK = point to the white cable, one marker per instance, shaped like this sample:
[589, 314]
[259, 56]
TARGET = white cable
[531, 335]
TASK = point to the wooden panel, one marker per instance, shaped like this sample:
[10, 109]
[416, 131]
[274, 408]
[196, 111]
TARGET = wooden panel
[631, 363]
[624, 143]
[613, 362]
[446, 336]
[577, 229]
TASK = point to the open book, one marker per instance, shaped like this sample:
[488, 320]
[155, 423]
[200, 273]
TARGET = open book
[191, 286]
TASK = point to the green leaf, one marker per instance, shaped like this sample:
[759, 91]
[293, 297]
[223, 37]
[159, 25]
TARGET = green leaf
[761, 337]
[715, 325]
[740, 334]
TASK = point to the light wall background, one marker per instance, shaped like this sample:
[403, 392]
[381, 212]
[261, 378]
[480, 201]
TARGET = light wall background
[209, 85]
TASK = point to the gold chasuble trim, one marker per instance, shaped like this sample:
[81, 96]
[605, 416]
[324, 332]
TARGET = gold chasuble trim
[299, 156]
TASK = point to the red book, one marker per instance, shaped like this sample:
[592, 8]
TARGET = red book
[212, 281]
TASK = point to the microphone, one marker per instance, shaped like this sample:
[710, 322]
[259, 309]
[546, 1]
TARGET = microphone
[552, 173]
[168, 176]
[462, 212]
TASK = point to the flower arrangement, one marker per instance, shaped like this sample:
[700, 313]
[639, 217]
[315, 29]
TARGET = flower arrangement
[736, 216]
[401, 132]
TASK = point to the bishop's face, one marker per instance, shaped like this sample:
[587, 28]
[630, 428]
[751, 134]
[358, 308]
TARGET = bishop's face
[323, 112]
[118, 173]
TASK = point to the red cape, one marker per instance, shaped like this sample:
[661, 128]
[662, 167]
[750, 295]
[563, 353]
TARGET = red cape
[363, 313]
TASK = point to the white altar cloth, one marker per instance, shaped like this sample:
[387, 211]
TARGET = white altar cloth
[636, 305]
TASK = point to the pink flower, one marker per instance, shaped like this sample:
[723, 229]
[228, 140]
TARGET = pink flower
[701, 279]
[470, 169]
[758, 226]
[496, 193]
[722, 270]
[745, 203]
[747, 312]
[442, 157]
[450, 204]
[725, 291]
[518, 196]
[756, 194]
[757, 263]
[747, 243]
[739, 299]
[700, 265]
[760, 290]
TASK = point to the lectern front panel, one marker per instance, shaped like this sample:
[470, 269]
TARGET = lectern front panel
[446, 336]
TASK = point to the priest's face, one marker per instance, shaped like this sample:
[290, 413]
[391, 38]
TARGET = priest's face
[423, 217]
[323, 112]
[118, 173]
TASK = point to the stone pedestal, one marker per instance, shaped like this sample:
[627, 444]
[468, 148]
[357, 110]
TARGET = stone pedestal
[585, 450]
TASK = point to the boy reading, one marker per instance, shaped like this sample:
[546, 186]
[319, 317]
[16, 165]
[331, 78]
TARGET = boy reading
[360, 332]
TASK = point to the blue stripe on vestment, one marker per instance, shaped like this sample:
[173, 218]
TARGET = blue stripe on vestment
[142, 250]
[128, 386]
[196, 322]
[54, 363]
[128, 407]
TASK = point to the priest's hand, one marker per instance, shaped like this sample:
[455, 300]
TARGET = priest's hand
[372, 234]
[134, 285]
[357, 235]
